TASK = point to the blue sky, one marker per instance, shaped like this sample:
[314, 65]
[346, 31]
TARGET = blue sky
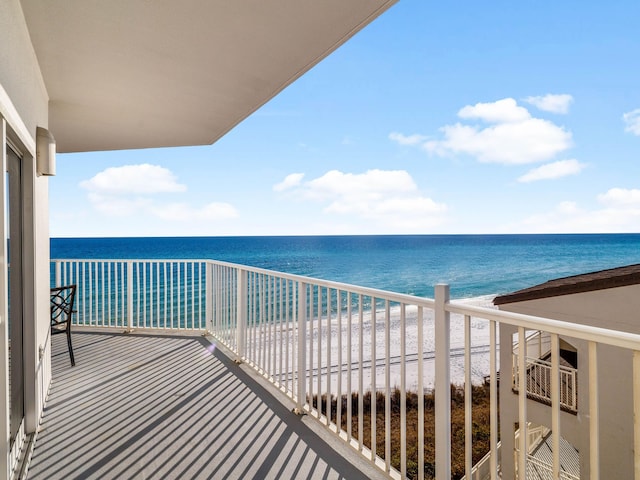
[450, 117]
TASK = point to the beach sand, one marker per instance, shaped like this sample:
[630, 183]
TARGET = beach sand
[347, 369]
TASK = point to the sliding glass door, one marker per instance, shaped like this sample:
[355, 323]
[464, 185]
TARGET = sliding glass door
[16, 362]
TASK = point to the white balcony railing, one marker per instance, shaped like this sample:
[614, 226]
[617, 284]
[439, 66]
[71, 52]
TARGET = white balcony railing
[538, 379]
[316, 338]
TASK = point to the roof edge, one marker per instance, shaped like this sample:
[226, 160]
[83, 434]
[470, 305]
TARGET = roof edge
[588, 282]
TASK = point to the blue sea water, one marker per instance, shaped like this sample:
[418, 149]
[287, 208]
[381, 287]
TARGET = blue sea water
[474, 265]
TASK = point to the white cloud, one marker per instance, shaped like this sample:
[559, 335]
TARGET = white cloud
[620, 213]
[552, 171]
[552, 103]
[620, 197]
[290, 181]
[513, 137]
[390, 197]
[632, 121]
[118, 206]
[134, 179]
[182, 212]
[136, 190]
[372, 185]
[401, 139]
[501, 111]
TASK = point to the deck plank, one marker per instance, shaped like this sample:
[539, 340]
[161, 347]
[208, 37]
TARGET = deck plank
[141, 406]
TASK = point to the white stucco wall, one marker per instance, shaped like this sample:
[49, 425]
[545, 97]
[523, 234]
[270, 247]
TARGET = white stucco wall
[614, 308]
[24, 106]
[20, 75]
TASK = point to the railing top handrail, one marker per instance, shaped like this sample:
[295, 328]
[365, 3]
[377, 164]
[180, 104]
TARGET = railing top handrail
[133, 260]
[367, 291]
[616, 338]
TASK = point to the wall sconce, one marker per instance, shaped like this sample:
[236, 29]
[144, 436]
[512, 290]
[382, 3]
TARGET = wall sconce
[45, 152]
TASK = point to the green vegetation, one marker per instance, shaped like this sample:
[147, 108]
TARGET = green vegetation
[480, 396]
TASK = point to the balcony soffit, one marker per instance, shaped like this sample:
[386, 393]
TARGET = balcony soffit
[124, 74]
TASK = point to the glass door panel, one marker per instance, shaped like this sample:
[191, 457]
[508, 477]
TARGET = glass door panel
[14, 217]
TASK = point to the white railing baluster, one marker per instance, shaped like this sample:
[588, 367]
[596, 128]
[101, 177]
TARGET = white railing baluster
[468, 422]
[252, 331]
[442, 384]
[90, 292]
[387, 386]
[374, 394]
[329, 356]
[340, 366]
[360, 374]
[349, 365]
[102, 290]
[58, 276]
[403, 391]
[242, 314]
[311, 327]
[319, 377]
[110, 322]
[281, 325]
[493, 401]
[193, 296]
[420, 353]
[267, 318]
[287, 340]
[302, 333]
[636, 413]
[130, 296]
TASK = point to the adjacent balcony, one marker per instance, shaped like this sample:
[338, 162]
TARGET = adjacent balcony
[193, 368]
[538, 379]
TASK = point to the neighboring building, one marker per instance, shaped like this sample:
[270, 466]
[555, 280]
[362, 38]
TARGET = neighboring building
[608, 299]
[118, 75]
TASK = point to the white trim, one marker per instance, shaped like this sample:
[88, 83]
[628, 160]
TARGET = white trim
[29, 293]
[5, 469]
[18, 127]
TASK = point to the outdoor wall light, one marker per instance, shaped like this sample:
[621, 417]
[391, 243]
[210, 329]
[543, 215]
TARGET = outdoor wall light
[45, 152]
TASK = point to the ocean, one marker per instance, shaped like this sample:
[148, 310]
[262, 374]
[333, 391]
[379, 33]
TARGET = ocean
[473, 265]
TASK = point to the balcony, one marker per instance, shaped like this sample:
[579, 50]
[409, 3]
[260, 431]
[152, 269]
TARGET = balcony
[187, 408]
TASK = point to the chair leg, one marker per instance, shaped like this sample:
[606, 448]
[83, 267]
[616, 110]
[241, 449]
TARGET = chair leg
[73, 361]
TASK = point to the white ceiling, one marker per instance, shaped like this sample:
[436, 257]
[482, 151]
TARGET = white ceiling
[149, 73]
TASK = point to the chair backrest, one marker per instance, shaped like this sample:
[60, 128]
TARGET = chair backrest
[62, 299]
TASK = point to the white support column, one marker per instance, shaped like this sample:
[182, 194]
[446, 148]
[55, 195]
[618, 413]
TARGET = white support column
[594, 413]
[555, 404]
[442, 384]
[241, 322]
[636, 414]
[302, 357]
[522, 403]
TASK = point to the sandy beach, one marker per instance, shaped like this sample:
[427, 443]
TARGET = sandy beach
[345, 363]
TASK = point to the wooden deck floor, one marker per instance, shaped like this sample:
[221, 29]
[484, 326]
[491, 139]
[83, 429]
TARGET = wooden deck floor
[141, 406]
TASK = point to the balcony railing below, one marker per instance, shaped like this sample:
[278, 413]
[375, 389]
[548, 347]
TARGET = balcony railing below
[538, 380]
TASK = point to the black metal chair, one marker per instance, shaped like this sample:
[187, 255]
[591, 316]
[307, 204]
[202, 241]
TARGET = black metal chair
[62, 299]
